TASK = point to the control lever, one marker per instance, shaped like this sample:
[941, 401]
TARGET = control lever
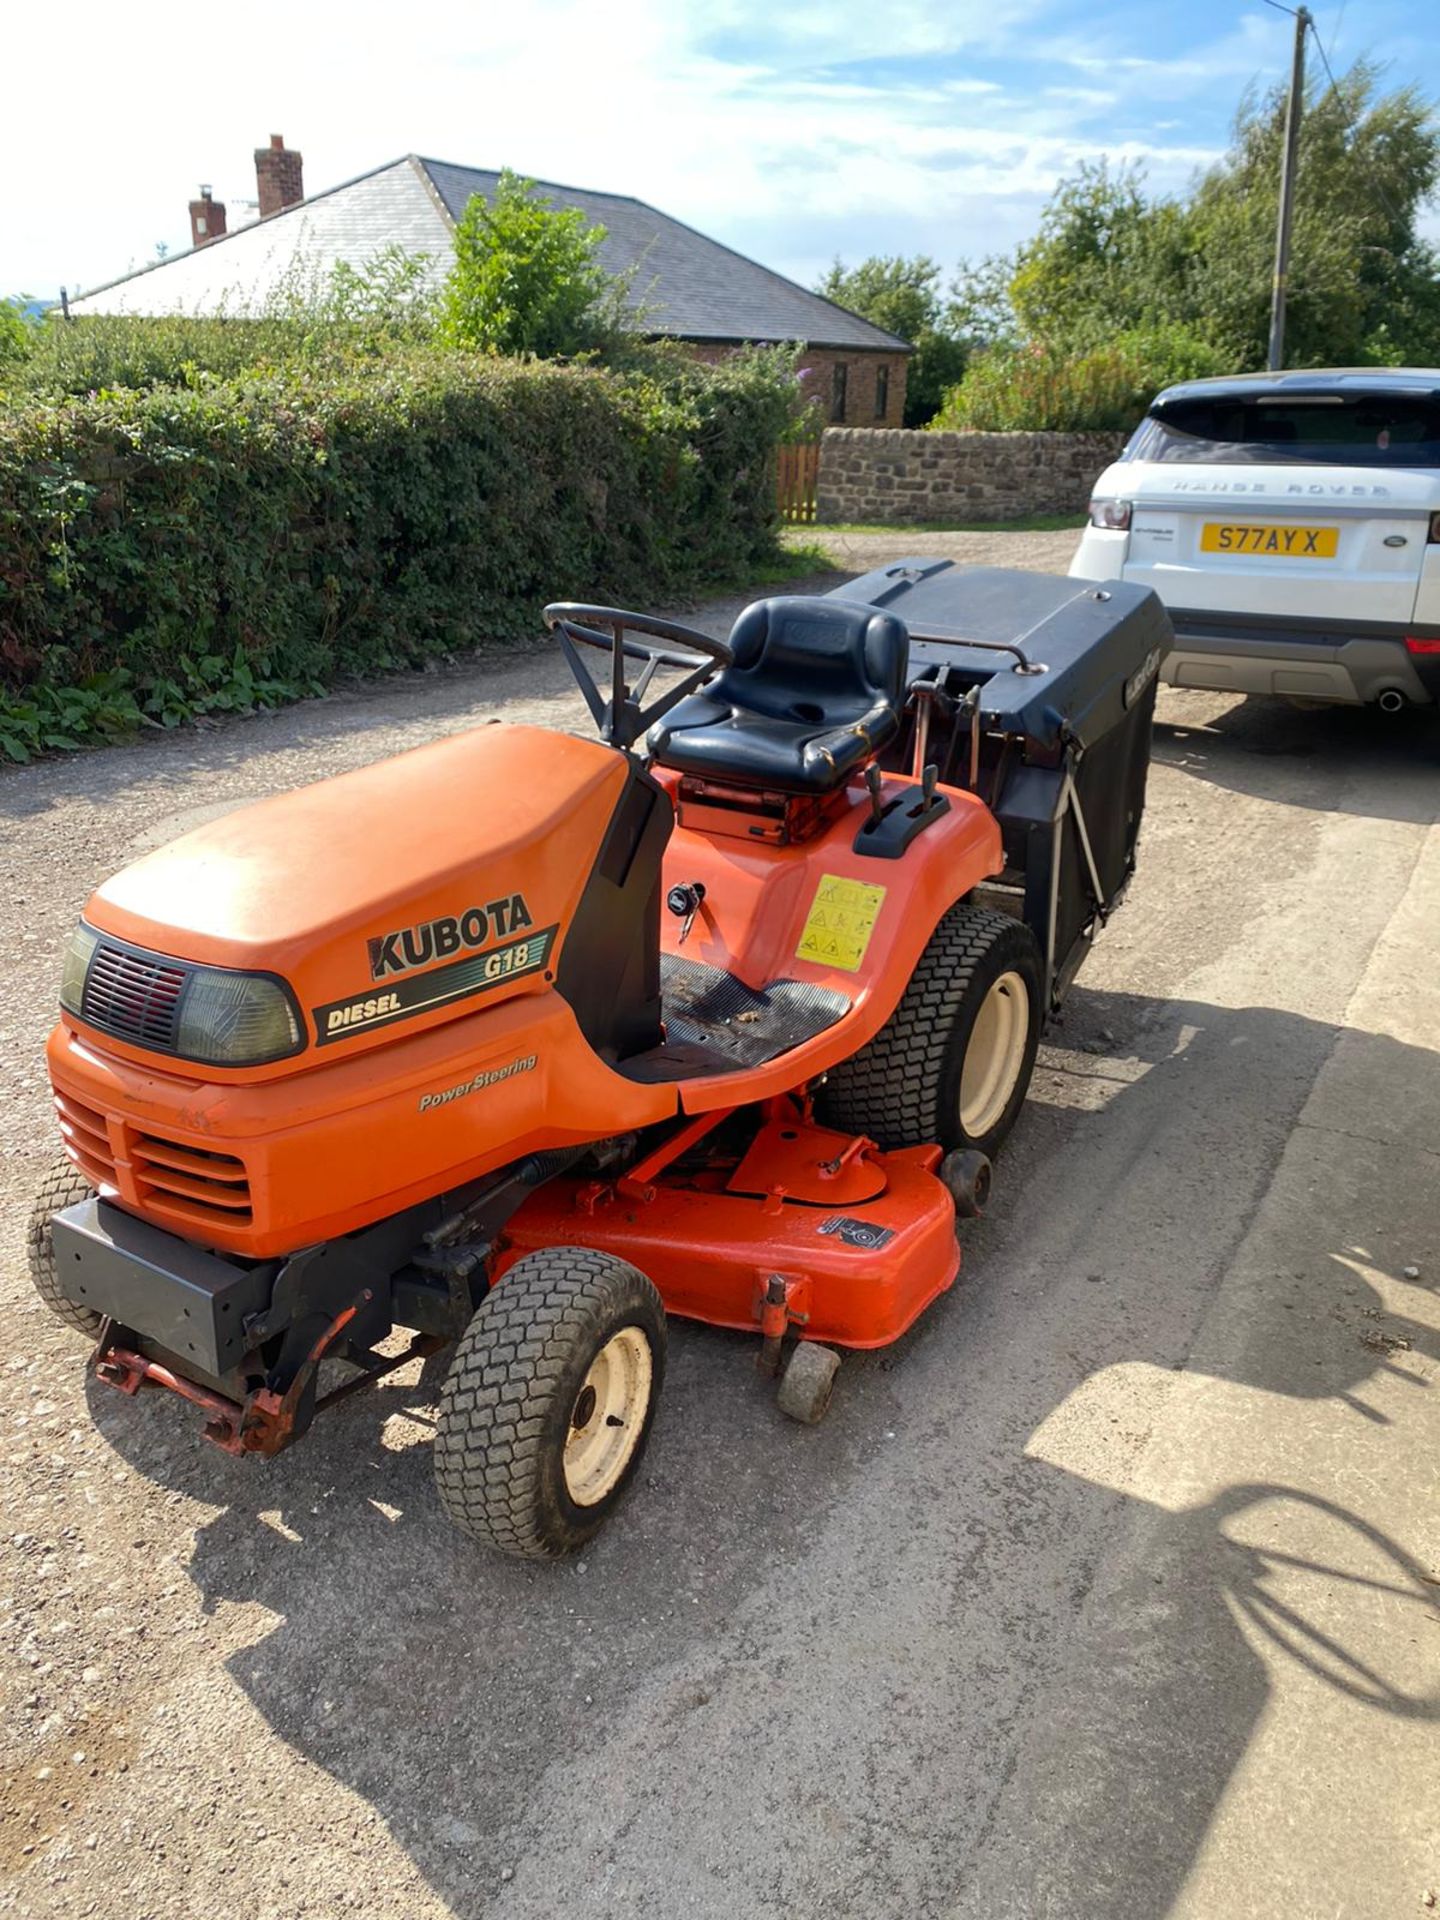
[927, 787]
[684, 902]
[874, 783]
[923, 694]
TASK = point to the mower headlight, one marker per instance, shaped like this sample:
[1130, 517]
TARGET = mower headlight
[82, 944]
[167, 1005]
[235, 1019]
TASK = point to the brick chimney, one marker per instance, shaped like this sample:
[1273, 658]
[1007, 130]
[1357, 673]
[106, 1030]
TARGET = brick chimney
[207, 218]
[278, 176]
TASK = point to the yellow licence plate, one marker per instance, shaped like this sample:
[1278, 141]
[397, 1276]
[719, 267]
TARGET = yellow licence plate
[1269, 542]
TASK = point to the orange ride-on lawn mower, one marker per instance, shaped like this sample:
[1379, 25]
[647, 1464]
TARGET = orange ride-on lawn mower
[524, 1041]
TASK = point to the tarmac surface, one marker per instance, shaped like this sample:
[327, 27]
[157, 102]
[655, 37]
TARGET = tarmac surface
[1111, 1593]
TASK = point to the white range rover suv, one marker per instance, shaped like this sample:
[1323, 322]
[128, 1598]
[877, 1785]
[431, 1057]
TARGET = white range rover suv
[1290, 522]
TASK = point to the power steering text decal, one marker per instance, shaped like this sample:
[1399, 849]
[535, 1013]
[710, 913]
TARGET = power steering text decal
[476, 973]
[488, 1077]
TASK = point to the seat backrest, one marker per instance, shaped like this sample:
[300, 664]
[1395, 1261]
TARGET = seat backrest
[818, 661]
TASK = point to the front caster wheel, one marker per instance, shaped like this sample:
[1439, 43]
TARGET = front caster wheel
[64, 1186]
[967, 1175]
[807, 1383]
[549, 1401]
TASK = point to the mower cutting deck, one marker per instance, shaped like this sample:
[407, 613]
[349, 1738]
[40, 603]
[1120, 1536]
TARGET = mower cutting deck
[525, 1042]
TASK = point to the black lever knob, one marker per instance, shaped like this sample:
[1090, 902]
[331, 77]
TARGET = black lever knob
[875, 787]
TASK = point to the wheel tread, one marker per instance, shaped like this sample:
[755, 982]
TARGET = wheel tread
[63, 1186]
[890, 1090]
[489, 1451]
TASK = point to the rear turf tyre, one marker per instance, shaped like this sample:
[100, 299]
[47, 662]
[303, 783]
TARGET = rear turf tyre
[549, 1402]
[64, 1186]
[953, 1062]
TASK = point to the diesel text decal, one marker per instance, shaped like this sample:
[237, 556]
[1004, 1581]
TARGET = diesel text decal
[474, 974]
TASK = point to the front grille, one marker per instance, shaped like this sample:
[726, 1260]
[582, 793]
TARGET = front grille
[191, 1180]
[84, 1133]
[193, 1185]
[134, 996]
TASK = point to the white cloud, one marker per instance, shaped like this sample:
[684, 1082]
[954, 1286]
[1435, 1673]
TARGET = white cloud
[759, 125]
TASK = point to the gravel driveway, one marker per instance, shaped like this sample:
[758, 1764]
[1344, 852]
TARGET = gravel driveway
[1012, 1634]
[857, 552]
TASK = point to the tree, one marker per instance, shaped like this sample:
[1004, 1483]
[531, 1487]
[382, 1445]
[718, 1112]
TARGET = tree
[526, 279]
[1362, 284]
[980, 311]
[1362, 289]
[903, 296]
[1104, 260]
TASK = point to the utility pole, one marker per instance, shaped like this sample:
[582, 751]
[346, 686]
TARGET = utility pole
[1295, 106]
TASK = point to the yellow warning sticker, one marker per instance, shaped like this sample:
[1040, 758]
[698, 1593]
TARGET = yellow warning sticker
[840, 922]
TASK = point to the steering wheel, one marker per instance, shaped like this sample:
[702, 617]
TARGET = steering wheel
[621, 719]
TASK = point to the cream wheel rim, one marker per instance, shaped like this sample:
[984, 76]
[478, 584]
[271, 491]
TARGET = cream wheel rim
[994, 1055]
[608, 1416]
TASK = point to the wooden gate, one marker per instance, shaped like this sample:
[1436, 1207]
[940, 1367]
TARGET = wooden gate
[797, 474]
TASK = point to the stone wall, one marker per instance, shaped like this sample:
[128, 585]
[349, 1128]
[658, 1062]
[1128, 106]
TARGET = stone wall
[899, 476]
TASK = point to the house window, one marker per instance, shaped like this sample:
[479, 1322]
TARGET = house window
[839, 379]
[882, 392]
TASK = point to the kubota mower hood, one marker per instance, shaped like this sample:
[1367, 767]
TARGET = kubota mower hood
[392, 895]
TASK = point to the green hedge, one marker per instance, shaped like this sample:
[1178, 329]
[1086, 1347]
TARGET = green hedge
[182, 550]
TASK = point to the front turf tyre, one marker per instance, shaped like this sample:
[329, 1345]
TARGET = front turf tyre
[63, 1186]
[953, 1062]
[549, 1401]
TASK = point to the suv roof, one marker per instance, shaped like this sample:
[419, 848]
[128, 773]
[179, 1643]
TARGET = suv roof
[1319, 380]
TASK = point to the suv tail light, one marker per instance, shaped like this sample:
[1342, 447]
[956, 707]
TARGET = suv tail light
[1414, 644]
[1115, 514]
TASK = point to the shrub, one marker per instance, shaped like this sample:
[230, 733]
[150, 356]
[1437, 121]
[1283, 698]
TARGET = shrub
[236, 543]
[1037, 388]
[317, 318]
[16, 334]
[525, 278]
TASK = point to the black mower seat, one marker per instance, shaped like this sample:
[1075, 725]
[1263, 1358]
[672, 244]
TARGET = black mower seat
[816, 689]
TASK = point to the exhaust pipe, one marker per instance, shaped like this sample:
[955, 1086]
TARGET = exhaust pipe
[1392, 701]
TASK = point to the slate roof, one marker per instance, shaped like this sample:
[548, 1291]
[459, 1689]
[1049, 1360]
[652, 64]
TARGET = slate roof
[685, 284]
[241, 270]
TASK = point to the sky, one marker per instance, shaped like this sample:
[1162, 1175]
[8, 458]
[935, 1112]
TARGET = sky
[794, 132]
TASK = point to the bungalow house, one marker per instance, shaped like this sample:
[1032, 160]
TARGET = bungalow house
[687, 286]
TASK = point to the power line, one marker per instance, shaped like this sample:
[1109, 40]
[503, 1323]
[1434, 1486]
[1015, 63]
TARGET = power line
[1340, 99]
[1373, 178]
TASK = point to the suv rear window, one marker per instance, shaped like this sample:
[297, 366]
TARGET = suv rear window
[1353, 430]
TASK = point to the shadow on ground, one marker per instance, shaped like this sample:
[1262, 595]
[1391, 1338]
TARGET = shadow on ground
[719, 1644]
[898, 1664]
[1331, 758]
